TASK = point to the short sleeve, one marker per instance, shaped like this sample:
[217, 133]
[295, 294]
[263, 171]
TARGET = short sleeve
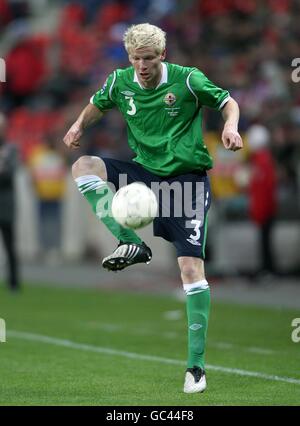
[103, 99]
[206, 91]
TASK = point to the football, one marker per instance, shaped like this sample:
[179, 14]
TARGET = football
[134, 206]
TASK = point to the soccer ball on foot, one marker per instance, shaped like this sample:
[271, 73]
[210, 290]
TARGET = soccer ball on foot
[134, 206]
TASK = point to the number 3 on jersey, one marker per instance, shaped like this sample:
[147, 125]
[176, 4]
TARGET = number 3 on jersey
[132, 106]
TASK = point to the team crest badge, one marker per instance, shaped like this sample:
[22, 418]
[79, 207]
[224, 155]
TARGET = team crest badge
[170, 99]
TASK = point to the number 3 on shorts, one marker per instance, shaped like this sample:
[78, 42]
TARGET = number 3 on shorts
[197, 224]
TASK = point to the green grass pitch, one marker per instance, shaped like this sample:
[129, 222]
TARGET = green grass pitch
[92, 347]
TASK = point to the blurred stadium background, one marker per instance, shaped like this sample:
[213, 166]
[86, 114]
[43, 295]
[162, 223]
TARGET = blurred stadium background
[58, 53]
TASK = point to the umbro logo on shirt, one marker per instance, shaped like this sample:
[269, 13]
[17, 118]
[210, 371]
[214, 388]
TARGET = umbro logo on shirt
[128, 93]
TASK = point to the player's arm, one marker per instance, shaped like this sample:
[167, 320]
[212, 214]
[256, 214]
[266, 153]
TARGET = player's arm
[101, 101]
[210, 95]
[88, 116]
[230, 137]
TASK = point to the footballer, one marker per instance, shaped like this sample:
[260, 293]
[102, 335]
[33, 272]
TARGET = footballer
[162, 104]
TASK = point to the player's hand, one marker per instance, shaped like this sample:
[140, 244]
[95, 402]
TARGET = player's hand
[73, 136]
[231, 139]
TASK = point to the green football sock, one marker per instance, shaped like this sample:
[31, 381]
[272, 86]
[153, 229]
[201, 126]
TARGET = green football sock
[99, 195]
[198, 305]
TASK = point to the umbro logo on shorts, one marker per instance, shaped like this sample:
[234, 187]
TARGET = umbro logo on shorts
[195, 243]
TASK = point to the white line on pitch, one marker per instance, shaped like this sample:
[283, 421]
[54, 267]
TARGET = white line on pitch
[108, 351]
[117, 328]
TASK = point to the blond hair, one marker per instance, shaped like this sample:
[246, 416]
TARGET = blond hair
[144, 35]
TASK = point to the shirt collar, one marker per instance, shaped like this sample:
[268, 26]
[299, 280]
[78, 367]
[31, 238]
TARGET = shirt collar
[164, 77]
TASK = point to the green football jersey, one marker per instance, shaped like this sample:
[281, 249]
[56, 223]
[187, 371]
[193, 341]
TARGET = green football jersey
[164, 124]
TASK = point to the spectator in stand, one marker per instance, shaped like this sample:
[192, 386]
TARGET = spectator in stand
[262, 193]
[5, 14]
[48, 170]
[27, 70]
[8, 165]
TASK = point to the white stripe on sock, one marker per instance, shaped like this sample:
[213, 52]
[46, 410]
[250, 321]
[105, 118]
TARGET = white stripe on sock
[91, 183]
[199, 285]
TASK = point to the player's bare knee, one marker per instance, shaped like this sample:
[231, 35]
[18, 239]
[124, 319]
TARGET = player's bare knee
[89, 165]
[192, 269]
[189, 274]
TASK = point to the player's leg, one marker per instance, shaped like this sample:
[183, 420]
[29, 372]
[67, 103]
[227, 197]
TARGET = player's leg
[187, 231]
[90, 175]
[198, 304]
[91, 178]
